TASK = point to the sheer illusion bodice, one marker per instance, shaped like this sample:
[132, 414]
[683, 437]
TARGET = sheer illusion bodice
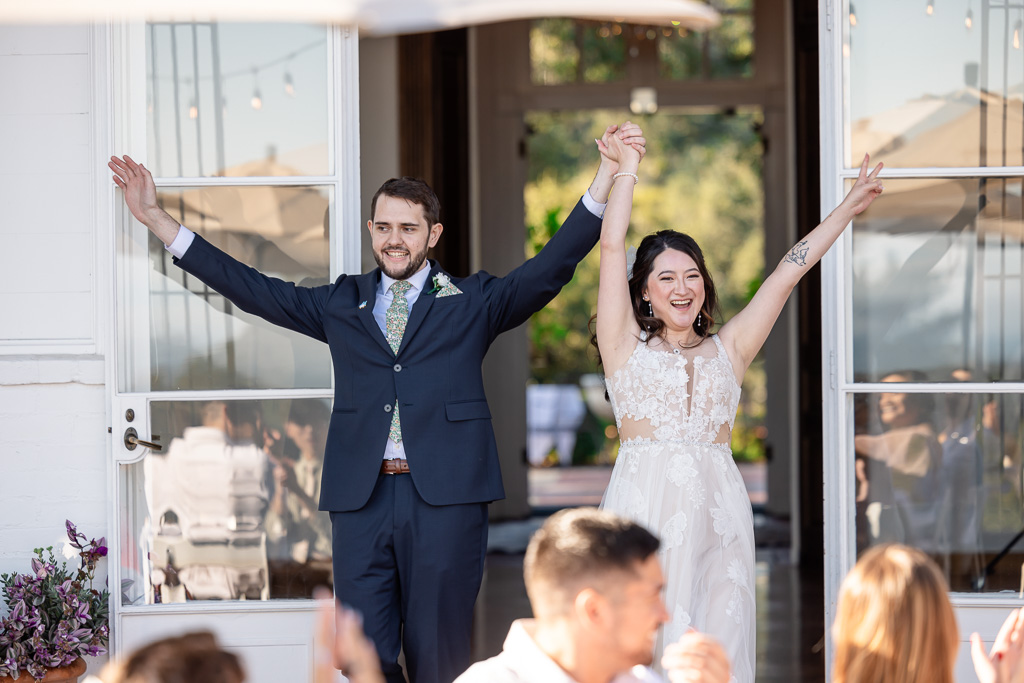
[668, 396]
[675, 475]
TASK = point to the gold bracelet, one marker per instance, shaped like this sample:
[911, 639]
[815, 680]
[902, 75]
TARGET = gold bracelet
[624, 173]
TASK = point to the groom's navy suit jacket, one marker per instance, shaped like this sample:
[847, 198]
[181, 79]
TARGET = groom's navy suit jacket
[436, 375]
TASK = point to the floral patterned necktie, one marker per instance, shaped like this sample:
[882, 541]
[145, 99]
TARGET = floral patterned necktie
[395, 319]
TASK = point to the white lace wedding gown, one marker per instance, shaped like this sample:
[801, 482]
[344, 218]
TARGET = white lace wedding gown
[675, 474]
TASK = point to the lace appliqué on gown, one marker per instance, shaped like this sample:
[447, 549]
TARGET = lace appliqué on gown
[675, 475]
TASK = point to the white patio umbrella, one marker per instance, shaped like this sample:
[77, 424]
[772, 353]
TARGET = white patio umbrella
[376, 17]
[389, 17]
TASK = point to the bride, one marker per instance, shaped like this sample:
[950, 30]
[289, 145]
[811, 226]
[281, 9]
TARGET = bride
[674, 386]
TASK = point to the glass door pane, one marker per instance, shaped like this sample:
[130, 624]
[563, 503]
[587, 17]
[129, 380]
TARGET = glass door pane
[228, 510]
[237, 99]
[938, 280]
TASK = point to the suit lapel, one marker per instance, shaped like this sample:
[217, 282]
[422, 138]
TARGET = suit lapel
[367, 286]
[420, 308]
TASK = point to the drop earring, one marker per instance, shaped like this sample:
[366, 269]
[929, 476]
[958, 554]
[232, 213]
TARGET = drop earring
[698, 319]
[650, 308]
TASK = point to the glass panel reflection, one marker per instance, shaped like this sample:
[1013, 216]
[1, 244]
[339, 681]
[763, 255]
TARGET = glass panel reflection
[200, 340]
[237, 99]
[934, 84]
[942, 472]
[938, 280]
[228, 510]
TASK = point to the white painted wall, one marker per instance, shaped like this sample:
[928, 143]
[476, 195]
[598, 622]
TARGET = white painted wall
[53, 424]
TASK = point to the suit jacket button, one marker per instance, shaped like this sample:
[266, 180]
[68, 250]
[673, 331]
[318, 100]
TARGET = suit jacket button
[398, 367]
[387, 408]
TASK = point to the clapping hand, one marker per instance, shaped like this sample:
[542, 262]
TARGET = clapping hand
[865, 189]
[1005, 663]
[341, 644]
[696, 657]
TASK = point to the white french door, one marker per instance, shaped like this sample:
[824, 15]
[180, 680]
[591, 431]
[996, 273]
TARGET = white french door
[219, 419]
[923, 330]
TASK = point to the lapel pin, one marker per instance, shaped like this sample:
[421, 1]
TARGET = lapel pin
[362, 304]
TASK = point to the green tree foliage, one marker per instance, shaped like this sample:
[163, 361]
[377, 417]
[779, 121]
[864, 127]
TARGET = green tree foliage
[702, 176]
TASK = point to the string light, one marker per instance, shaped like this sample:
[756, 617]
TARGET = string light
[930, 9]
[257, 101]
[853, 16]
[1016, 35]
[969, 19]
[289, 85]
[193, 110]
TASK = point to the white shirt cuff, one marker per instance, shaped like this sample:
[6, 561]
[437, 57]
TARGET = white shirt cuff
[593, 206]
[182, 241]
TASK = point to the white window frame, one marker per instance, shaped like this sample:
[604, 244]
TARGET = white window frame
[838, 387]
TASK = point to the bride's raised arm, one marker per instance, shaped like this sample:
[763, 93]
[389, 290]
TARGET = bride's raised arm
[744, 335]
[616, 327]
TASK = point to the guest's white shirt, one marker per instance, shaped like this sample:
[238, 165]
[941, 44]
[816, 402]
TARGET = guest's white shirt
[183, 240]
[522, 661]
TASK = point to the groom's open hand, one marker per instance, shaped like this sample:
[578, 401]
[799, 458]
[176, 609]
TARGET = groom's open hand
[136, 182]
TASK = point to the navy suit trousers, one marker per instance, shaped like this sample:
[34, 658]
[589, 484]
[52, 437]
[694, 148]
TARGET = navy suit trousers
[413, 570]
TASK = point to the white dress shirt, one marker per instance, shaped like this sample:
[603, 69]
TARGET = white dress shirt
[183, 240]
[522, 661]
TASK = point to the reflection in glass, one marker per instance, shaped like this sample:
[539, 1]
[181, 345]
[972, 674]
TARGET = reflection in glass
[228, 510]
[200, 340]
[236, 99]
[942, 472]
[938, 280]
[933, 89]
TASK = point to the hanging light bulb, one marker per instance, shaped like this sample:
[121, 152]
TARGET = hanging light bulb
[853, 16]
[193, 110]
[257, 100]
[969, 19]
[289, 85]
[1016, 35]
[930, 9]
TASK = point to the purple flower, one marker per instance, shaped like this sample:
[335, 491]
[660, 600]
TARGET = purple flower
[73, 534]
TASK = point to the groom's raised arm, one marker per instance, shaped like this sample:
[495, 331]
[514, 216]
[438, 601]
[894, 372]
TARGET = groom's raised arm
[277, 301]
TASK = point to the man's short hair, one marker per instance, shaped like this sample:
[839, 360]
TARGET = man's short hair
[579, 548]
[412, 190]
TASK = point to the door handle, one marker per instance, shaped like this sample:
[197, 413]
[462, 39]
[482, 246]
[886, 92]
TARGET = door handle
[132, 440]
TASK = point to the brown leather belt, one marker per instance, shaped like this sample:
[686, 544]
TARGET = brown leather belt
[395, 466]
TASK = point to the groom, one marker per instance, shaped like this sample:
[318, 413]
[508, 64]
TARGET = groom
[411, 461]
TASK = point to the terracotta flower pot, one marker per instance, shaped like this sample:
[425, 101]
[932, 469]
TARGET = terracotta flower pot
[65, 674]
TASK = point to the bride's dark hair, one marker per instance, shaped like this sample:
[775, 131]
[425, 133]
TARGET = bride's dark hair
[649, 249]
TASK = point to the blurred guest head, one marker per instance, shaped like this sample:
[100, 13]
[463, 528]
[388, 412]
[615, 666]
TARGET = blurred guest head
[894, 622]
[597, 578]
[191, 658]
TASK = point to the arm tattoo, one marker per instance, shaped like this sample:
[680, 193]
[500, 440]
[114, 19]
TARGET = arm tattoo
[798, 254]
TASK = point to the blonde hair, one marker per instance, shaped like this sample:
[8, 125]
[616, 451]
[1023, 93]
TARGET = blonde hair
[894, 622]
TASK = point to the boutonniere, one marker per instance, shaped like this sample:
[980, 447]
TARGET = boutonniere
[443, 286]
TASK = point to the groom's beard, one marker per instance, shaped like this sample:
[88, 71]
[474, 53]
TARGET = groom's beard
[415, 263]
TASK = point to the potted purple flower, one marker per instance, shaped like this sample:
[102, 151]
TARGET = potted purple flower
[55, 616]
